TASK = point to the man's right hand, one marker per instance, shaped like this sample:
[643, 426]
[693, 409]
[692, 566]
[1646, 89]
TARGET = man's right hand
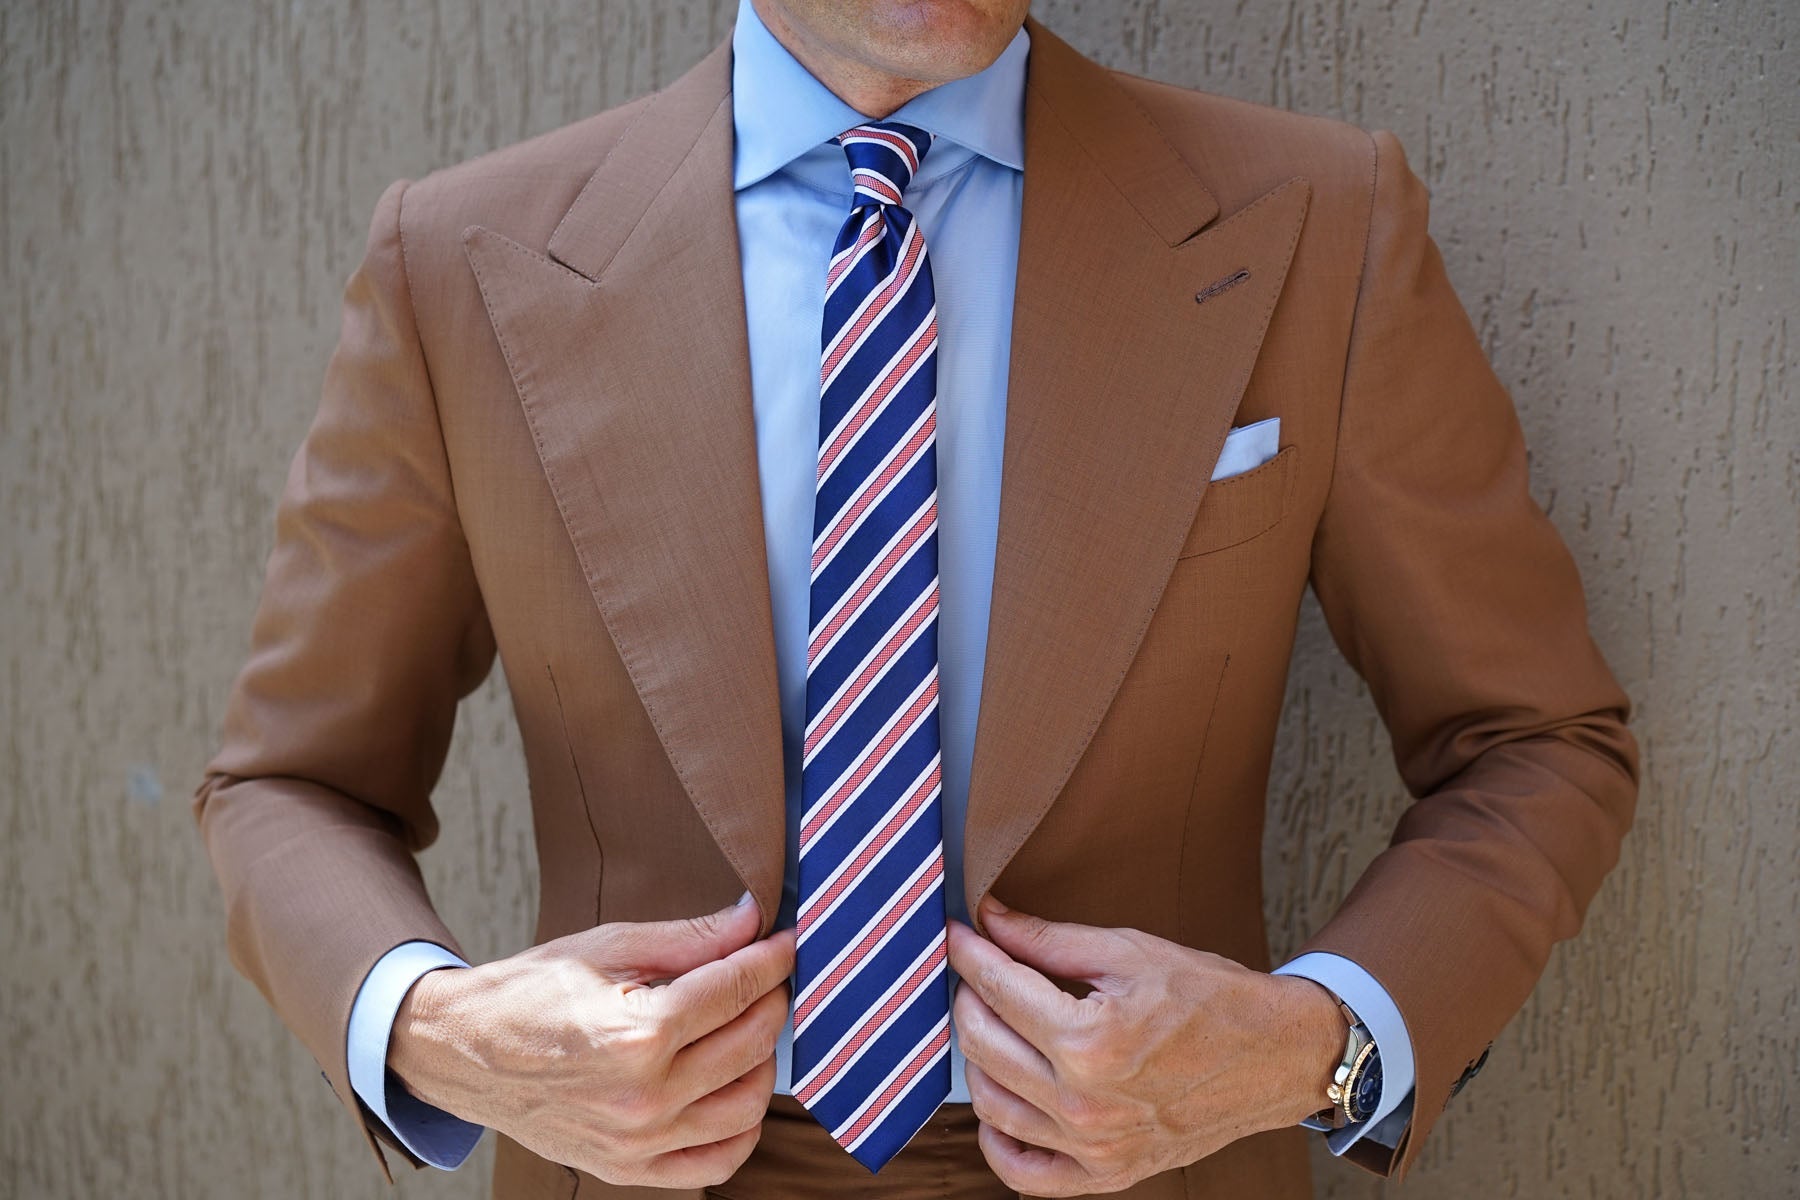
[639, 1053]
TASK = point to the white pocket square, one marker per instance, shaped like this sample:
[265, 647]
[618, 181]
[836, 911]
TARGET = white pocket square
[1247, 448]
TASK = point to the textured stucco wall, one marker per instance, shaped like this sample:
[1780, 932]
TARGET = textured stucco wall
[184, 186]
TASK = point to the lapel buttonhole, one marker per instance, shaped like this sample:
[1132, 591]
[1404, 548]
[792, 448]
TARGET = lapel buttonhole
[1221, 285]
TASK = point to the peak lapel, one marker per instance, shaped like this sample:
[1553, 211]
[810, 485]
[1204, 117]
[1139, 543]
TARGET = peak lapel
[628, 350]
[1122, 389]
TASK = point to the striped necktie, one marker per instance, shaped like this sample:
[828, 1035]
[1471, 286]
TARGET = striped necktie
[872, 1000]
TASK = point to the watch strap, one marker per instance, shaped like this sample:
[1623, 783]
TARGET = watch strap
[1359, 1052]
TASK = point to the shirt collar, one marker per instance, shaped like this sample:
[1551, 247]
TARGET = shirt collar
[780, 111]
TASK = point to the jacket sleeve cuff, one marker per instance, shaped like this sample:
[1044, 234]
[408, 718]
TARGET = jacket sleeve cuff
[431, 1134]
[1369, 1001]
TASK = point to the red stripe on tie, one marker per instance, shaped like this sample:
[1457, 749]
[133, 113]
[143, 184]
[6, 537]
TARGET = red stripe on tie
[827, 631]
[901, 1082]
[919, 348]
[876, 230]
[826, 986]
[872, 1025]
[818, 904]
[828, 721]
[883, 188]
[900, 729]
[841, 527]
[876, 308]
[904, 145]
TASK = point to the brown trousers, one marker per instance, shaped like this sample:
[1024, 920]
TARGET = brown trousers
[797, 1160]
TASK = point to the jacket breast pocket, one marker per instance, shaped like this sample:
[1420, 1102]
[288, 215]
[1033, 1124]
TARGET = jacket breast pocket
[1243, 507]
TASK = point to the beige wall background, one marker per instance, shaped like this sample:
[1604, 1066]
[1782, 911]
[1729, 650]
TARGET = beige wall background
[184, 186]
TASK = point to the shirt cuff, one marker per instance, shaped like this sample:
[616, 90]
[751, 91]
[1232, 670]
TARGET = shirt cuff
[1376, 1009]
[432, 1134]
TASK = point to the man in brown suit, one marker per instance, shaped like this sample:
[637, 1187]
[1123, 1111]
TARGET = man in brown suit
[540, 437]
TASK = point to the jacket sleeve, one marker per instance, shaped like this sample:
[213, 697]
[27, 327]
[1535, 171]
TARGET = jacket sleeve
[1450, 592]
[369, 630]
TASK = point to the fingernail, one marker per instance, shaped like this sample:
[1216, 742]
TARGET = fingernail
[992, 905]
[743, 900]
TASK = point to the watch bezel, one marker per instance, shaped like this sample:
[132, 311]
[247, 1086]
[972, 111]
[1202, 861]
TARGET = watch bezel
[1350, 1088]
[1360, 1051]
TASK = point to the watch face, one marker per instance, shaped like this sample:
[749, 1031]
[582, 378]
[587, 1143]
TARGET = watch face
[1365, 1089]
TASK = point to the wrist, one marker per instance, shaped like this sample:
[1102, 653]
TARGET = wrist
[419, 1050]
[1316, 1030]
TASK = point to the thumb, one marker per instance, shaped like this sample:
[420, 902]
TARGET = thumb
[1059, 949]
[657, 950]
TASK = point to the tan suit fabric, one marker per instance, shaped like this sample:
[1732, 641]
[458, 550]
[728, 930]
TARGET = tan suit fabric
[536, 441]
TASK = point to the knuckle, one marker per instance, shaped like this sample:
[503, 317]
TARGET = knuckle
[1077, 1057]
[602, 1149]
[973, 1043]
[971, 1022]
[780, 1001]
[635, 1111]
[1089, 1015]
[568, 984]
[745, 990]
[989, 982]
[1011, 1176]
[618, 1173]
[751, 1115]
[963, 1007]
[747, 1065]
[1083, 1123]
[767, 1039]
[621, 1116]
[716, 1172]
[744, 1061]
[1116, 1180]
[1089, 1055]
[642, 1044]
[726, 1161]
[1083, 1117]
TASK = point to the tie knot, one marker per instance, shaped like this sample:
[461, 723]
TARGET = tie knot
[883, 157]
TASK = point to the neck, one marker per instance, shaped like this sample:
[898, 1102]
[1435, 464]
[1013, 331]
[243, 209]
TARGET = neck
[869, 90]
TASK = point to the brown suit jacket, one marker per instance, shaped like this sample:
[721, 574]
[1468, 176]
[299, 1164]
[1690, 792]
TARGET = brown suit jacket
[535, 438]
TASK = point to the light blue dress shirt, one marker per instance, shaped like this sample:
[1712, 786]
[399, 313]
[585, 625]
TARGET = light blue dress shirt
[793, 192]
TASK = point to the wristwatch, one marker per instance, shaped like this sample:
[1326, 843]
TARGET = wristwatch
[1355, 1088]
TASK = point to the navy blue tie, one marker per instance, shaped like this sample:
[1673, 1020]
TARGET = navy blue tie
[872, 1005]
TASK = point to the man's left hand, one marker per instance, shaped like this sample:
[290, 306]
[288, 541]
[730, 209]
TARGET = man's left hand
[1172, 1055]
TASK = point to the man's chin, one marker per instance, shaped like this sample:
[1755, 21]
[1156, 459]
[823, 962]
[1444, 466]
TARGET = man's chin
[929, 41]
